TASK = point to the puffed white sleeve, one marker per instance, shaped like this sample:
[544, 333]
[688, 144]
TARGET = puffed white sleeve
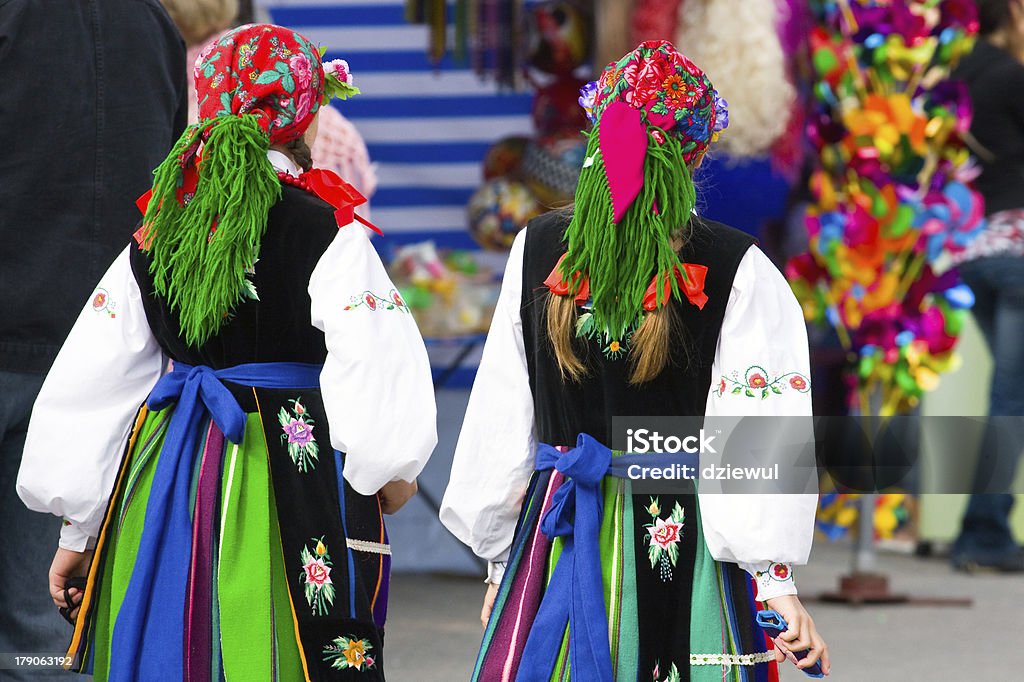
[81, 419]
[494, 456]
[376, 383]
[761, 368]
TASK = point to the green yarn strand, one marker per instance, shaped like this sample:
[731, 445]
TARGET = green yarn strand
[621, 259]
[198, 270]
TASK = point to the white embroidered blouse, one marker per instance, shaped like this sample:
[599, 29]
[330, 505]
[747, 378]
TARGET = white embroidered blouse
[111, 361]
[494, 459]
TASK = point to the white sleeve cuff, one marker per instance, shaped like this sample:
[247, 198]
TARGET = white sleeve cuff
[495, 572]
[773, 579]
[74, 538]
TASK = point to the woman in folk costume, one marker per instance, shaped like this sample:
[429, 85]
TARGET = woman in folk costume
[240, 535]
[631, 306]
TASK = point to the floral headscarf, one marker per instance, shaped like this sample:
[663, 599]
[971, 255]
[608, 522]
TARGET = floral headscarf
[267, 71]
[256, 86]
[655, 114]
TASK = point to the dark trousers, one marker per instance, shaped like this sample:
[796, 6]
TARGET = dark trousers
[29, 624]
[998, 285]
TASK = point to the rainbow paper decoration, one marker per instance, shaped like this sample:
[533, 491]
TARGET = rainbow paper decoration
[892, 196]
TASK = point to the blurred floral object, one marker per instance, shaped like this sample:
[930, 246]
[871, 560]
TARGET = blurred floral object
[737, 43]
[891, 190]
[448, 295]
[838, 512]
[498, 210]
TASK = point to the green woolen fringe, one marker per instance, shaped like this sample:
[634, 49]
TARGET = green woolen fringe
[202, 275]
[621, 259]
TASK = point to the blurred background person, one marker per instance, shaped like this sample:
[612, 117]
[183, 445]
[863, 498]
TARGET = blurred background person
[993, 266]
[94, 96]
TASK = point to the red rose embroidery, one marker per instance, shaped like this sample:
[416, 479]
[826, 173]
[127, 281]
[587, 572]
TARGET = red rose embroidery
[781, 571]
[757, 380]
[371, 302]
[798, 382]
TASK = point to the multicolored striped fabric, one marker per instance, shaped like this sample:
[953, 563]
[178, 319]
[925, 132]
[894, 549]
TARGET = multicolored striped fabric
[287, 567]
[674, 613]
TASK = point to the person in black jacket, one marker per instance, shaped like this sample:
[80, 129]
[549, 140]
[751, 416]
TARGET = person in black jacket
[94, 96]
[993, 266]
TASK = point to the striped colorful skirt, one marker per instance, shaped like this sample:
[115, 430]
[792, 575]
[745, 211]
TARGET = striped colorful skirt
[672, 612]
[236, 558]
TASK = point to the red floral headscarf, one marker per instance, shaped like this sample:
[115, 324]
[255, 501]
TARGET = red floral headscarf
[268, 71]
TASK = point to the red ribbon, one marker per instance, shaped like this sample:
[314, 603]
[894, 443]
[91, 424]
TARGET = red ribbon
[329, 186]
[690, 278]
[325, 184]
[560, 287]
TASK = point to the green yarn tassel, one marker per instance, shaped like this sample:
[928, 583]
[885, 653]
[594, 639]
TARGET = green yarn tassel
[621, 259]
[201, 273]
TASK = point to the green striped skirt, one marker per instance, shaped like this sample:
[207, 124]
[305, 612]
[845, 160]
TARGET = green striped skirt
[288, 567]
[674, 613]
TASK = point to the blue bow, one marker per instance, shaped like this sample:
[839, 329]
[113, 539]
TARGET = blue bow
[576, 592]
[147, 639]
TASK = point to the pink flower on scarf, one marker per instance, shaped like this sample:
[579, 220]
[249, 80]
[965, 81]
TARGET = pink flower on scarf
[301, 70]
[303, 105]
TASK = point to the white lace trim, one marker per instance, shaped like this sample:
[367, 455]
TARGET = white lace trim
[732, 659]
[367, 546]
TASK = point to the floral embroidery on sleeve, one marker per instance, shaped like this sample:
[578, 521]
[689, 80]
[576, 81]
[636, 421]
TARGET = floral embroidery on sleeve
[316, 576]
[776, 572]
[298, 435]
[348, 652]
[756, 383]
[664, 535]
[373, 302]
[101, 302]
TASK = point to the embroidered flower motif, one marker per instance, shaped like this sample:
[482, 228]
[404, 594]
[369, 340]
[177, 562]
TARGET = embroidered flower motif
[664, 533]
[298, 431]
[664, 536]
[370, 300]
[304, 105]
[755, 383]
[776, 572]
[316, 576]
[348, 652]
[101, 303]
[613, 349]
[673, 674]
[298, 436]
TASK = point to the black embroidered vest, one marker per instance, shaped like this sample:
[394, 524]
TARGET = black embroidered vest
[562, 410]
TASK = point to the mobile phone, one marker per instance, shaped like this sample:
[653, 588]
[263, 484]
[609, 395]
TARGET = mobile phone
[774, 624]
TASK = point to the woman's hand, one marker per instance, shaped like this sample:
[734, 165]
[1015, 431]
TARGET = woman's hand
[394, 495]
[800, 635]
[485, 612]
[66, 565]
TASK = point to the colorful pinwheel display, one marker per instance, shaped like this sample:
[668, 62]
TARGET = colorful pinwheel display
[891, 190]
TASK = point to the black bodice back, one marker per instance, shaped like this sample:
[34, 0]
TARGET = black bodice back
[277, 327]
[565, 409]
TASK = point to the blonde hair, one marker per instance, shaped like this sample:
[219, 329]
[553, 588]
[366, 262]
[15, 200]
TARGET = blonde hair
[649, 352]
[649, 347]
[198, 20]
